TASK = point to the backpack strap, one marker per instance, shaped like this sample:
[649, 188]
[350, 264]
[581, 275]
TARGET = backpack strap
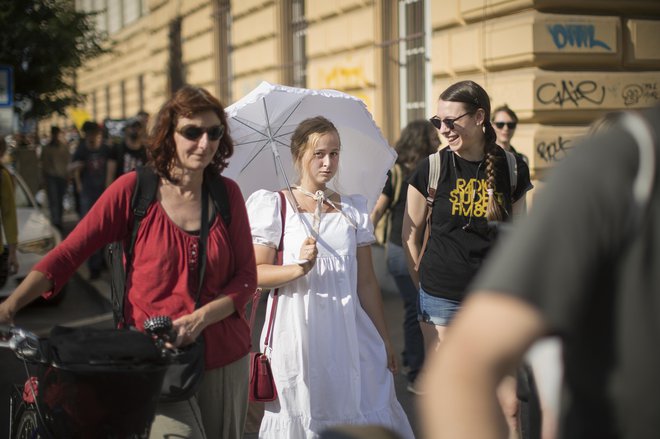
[435, 165]
[513, 169]
[220, 197]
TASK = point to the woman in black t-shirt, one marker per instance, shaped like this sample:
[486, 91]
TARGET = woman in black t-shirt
[474, 189]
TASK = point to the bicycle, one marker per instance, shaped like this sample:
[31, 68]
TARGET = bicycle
[87, 383]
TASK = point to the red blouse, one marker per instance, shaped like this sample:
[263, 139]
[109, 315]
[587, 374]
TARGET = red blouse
[164, 275]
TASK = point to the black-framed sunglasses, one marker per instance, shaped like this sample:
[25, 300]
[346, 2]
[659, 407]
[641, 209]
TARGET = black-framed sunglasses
[510, 125]
[194, 132]
[449, 123]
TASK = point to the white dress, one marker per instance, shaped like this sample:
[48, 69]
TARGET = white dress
[329, 361]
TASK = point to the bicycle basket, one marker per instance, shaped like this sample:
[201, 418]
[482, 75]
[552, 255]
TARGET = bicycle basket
[102, 383]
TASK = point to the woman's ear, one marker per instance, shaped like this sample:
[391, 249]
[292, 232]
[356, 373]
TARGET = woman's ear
[480, 117]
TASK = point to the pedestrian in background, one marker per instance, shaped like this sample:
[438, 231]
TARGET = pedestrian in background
[331, 355]
[474, 188]
[583, 265]
[8, 218]
[505, 122]
[55, 159]
[189, 150]
[130, 153]
[418, 140]
[89, 165]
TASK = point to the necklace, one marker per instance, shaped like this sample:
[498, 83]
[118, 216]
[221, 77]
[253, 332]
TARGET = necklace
[468, 226]
[321, 197]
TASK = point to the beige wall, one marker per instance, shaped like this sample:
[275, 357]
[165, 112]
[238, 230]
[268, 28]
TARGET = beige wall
[558, 63]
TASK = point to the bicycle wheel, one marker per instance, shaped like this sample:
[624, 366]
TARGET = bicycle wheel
[28, 425]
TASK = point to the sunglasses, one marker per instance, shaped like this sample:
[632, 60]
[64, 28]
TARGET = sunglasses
[510, 125]
[193, 132]
[449, 123]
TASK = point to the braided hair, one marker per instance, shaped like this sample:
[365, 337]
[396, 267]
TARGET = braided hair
[474, 97]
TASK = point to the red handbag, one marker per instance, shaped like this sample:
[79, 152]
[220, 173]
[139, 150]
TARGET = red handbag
[262, 384]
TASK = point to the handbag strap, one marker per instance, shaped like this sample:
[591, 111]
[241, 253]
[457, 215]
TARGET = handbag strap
[268, 341]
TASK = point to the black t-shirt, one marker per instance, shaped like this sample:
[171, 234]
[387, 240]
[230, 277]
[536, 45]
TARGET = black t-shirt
[128, 159]
[453, 254]
[595, 280]
[398, 208]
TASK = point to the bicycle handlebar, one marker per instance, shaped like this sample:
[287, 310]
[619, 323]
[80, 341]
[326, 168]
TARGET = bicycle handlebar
[23, 343]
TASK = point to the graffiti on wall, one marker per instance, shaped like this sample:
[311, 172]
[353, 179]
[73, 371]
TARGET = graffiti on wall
[553, 150]
[576, 35]
[646, 92]
[570, 93]
[345, 78]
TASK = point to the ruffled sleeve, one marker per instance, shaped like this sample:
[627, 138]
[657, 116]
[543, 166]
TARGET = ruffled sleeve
[265, 223]
[365, 229]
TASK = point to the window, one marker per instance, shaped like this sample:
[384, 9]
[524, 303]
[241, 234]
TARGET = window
[122, 91]
[114, 15]
[140, 88]
[414, 74]
[107, 101]
[299, 27]
[222, 33]
[95, 113]
[132, 10]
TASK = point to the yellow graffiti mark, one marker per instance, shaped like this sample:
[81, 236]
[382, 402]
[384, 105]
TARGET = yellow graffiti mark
[345, 77]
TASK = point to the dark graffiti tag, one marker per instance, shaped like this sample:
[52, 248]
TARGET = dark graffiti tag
[553, 151]
[568, 91]
[575, 35]
[633, 93]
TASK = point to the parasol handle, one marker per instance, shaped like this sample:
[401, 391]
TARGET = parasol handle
[278, 160]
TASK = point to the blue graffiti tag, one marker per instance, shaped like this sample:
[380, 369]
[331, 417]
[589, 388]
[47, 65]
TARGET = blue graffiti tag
[575, 35]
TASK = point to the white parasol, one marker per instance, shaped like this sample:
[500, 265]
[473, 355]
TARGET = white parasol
[261, 125]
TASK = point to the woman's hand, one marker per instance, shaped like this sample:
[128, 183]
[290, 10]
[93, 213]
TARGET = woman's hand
[391, 358]
[187, 329]
[6, 315]
[308, 252]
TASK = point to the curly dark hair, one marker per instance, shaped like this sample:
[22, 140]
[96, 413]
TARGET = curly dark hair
[186, 102]
[418, 140]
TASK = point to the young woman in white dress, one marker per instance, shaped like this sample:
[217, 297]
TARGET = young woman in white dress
[331, 354]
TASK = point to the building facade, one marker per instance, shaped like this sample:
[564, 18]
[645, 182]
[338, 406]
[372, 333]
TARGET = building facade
[558, 63]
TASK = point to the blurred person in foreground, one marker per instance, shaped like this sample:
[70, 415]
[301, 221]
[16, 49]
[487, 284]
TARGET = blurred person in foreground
[189, 150]
[582, 266]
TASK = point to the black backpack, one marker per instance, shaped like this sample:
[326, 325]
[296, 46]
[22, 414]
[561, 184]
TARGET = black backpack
[143, 195]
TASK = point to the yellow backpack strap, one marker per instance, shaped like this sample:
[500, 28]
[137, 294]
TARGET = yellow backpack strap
[434, 176]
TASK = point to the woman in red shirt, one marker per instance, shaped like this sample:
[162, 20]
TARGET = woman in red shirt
[189, 141]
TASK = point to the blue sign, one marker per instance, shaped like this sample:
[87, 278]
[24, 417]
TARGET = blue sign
[6, 86]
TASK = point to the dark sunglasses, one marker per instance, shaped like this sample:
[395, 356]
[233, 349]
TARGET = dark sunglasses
[449, 123]
[193, 132]
[510, 125]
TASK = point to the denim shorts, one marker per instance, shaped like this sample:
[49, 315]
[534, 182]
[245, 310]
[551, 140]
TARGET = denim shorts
[436, 310]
